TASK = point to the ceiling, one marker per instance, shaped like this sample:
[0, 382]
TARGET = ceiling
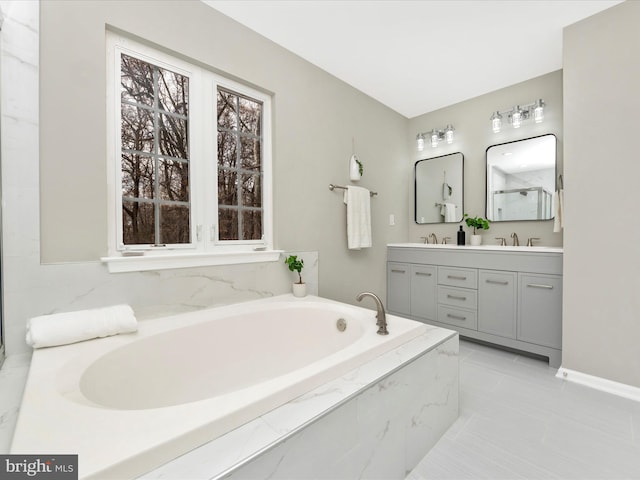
[419, 56]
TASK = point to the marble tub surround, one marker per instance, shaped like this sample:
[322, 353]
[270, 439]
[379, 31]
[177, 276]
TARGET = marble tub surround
[63, 406]
[31, 289]
[377, 421]
[13, 376]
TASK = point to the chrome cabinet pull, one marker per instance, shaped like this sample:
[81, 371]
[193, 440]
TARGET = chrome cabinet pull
[425, 274]
[398, 271]
[456, 297]
[456, 317]
[497, 282]
[455, 277]
[539, 285]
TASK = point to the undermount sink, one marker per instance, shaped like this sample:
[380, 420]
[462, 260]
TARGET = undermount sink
[508, 248]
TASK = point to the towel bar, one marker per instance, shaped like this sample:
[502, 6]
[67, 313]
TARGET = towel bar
[333, 187]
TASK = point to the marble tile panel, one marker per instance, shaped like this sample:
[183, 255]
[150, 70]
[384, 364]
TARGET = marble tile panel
[13, 377]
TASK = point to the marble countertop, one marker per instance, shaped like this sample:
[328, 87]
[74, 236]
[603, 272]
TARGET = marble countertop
[508, 248]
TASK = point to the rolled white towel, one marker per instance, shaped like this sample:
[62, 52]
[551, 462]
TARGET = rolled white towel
[72, 327]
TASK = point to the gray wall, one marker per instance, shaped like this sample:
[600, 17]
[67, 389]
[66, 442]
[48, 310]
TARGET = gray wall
[473, 135]
[601, 330]
[316, 117]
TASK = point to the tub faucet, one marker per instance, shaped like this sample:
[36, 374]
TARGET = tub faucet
[381, 316]
[516, 242]
[433, 235]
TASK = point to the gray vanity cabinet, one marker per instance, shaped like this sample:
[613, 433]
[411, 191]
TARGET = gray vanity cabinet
[497, 300]
[510, 297]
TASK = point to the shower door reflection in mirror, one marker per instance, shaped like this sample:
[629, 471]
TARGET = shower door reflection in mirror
[521, 179]
[439, 189]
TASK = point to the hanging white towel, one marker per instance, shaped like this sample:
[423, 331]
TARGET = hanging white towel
[358, 202]
[72, 327]
[558, 210]
[448, 211]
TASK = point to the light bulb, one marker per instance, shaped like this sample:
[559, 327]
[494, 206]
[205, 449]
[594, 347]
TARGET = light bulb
[496, 122]
[538, 111]
[448, 134]
[516, 117]
[420, 141]
[434, 138]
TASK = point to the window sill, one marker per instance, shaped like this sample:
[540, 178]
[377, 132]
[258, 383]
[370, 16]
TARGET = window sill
[186, 260]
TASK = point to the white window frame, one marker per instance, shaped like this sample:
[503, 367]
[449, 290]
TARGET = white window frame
[205, 248]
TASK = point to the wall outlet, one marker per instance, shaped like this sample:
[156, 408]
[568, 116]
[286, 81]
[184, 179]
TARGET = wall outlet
[392, 219]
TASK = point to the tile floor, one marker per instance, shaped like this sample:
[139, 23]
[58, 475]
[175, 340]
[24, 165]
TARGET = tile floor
[518, 421]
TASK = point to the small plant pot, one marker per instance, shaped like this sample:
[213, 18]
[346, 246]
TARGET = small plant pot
[299, 289]
[476, 240]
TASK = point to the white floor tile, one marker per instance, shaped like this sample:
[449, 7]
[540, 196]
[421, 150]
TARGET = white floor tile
[517, 420]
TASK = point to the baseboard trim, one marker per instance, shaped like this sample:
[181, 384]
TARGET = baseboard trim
[602, 384]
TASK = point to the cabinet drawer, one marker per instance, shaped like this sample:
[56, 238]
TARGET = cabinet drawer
[458, 297]
[458, 277]
[457, 317]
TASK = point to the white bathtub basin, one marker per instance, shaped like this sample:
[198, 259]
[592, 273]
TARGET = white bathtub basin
[128, 403]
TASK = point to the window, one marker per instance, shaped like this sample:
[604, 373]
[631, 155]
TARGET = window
[190, 161]
[154, 145]
[239, 167]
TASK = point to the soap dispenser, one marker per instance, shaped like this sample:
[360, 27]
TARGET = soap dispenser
[461, 235]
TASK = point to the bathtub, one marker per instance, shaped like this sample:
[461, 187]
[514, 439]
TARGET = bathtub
[128, 403]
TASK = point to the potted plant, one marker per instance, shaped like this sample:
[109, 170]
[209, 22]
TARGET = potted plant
[295, 265]
[476, 223]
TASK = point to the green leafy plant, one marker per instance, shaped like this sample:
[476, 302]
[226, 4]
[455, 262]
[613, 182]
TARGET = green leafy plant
[476, 222]
[295, 265]
[360, 167]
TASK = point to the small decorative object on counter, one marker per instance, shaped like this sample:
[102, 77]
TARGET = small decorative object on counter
[476, 223]
[461, 237]
[295, 265]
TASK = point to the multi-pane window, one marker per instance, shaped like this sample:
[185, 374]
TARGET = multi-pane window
[193, 168]
[154, 154]
[239, 167]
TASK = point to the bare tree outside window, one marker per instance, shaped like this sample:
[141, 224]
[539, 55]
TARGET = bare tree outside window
[154, 118]
[240, 176]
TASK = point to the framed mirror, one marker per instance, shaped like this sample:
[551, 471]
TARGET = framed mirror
[439, 189]
[521, 179]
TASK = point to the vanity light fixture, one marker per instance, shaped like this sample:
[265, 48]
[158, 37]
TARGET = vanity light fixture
[435, 137]
[518, 114]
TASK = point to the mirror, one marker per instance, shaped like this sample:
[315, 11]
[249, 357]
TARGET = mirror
[439, 189]
[521, 179]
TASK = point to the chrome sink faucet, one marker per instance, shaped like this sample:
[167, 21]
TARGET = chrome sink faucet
[381, 316]
[516, 242]
[433, 236]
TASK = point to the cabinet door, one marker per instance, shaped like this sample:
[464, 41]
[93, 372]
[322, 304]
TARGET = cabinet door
[399, 288]
[423, 291]
[540, 309]
[497, 302]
